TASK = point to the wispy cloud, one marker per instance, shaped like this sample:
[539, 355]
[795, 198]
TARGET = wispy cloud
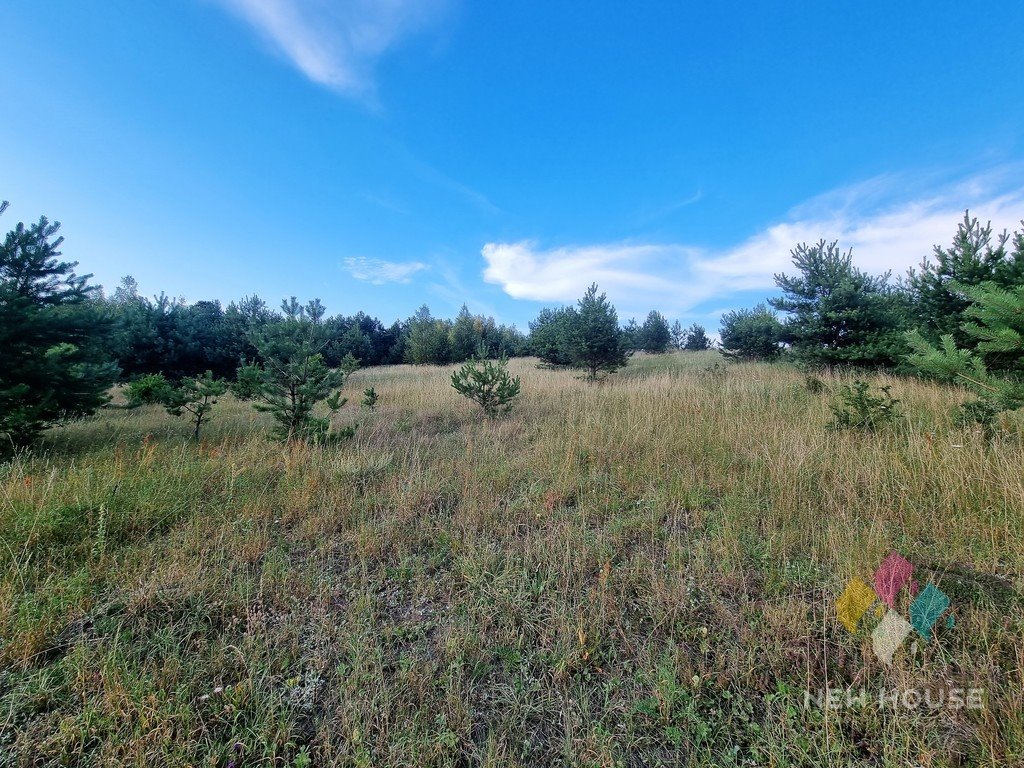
[673, 207]
[336, 42]
[440, 179]
[890, 222]
[451, 289]
[379, 271]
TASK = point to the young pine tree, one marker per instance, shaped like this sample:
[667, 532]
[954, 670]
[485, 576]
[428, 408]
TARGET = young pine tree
[53, 363]
[751, 334]
[995, 324]
[487, 383]
[655, 334]
[295, 378]
[595, 342]
[427, 342]
[195, 396]
[678, 335]
[465, 336]
[974, 258]
[631, 335]
[549, 336]
[697, 338]
[839, 315]
[369, 401]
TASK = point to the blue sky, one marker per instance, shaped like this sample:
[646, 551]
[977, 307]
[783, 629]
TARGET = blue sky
[380, 154]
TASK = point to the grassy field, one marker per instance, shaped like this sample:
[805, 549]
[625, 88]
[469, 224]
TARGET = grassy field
[640, 572]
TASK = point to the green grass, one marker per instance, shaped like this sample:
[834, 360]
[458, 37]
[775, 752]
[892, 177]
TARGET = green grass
[637, 572]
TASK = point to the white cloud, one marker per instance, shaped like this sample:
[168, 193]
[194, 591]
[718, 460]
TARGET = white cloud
[886, 228]
[379, 272]
[336, 42]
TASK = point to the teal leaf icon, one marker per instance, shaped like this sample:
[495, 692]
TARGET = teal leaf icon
[927, 608]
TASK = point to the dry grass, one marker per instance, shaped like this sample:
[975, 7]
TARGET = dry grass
[640, 572]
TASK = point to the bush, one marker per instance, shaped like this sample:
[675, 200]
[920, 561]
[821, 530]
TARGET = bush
[983, 413]
[814, 385]
[487, 383]
[859, 409]
[148, 390]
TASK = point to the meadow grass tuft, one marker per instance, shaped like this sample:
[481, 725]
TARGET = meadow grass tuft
[637, 572]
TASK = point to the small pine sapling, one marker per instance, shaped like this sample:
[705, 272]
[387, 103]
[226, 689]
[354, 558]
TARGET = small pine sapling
[487, 383]
[196, 397]
[295, 378]
[349, 364]
[859, 409]
[248, 383]
[369, 399]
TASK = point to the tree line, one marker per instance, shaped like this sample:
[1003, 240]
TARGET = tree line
[64, 344]
[163, 335]
[835, 314]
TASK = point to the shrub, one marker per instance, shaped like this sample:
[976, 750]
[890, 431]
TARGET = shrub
[859, 409]
[984, 413]
[814, 385]
[487, 383]
[148, 390]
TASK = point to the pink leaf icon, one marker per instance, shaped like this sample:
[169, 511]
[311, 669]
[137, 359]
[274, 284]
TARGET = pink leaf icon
[892, 574]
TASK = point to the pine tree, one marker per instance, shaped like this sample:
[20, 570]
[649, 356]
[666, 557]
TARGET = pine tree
[995, 324]
[595, 342]
[52, 336]
[678, 335]
[294, 377]
[488, 384]
[465, 336]
[973, 258]
[427, 343]
[839, 315]
[631, 335]
[655, 334]
[697, 338]
[751, 334]
[196, 397]
[549, 336]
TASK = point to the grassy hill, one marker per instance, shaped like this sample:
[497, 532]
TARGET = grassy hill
[640, 572]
